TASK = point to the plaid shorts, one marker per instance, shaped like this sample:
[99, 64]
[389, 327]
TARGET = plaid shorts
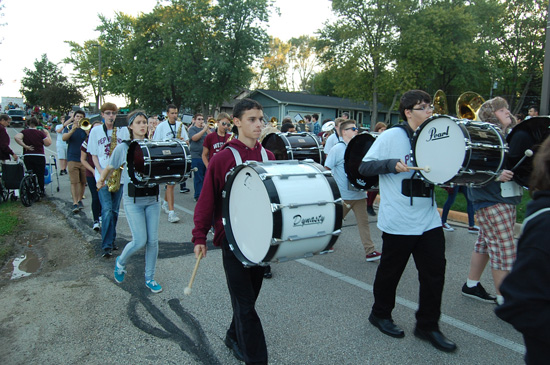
[496, 235]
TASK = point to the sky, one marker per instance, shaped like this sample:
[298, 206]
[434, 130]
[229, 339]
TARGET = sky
[34, 27]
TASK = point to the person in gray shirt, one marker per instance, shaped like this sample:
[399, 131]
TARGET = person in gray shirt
[197, 134]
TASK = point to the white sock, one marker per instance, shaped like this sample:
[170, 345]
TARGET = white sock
[170, 211]
[500, 299]
[471, 283]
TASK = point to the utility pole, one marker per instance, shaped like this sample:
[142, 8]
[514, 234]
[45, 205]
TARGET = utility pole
[545, 93]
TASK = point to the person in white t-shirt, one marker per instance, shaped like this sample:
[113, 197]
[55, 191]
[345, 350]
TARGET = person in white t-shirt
[167, 131]
[334, 137]
[99, 146]
[411, 225]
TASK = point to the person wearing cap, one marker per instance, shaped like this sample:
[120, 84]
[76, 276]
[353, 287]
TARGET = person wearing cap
[141, 205]
[495, 206]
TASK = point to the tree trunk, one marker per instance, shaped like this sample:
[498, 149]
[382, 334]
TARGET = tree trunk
[388, 115]
[519, 104]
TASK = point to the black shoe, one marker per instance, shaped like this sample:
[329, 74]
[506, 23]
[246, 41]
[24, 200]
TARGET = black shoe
[234, 346]
[184, 190]
[386, 326]
[267, 272]
[107, 254]
[371, 211]
[478, 292]
[437, 339]
[115, 247]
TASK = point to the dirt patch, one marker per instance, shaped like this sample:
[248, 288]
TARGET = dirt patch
[47, 237]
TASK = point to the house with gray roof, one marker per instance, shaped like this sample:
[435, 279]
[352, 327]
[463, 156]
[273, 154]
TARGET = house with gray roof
[281, 104]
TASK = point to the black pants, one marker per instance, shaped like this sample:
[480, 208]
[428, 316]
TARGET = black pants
[244, 286]
[428, 251]
[38, 165]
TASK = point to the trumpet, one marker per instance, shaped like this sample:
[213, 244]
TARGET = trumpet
[274, 122]
[85, 124]
[212, 123]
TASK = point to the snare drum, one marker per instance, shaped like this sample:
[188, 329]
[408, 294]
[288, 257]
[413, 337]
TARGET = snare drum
[458, 151]
[266, 219]
[294, 146]
[155, 162]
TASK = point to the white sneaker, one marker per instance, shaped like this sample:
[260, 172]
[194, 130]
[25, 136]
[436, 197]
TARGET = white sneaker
[165, 207]
[447, 227]
[96, 226]
[172, 217]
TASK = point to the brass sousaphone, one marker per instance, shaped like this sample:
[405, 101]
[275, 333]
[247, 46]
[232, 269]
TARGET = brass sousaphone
[441, 106]
[468, 105]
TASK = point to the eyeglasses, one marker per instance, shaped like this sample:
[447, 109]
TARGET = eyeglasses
[424, 107]
[109, 113]
[224, 124]
[352, 128]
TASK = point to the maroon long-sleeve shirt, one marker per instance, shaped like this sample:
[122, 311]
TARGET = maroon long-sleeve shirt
[209, 206]
[5, 150]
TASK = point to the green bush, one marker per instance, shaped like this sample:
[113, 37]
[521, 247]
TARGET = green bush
[460, 202]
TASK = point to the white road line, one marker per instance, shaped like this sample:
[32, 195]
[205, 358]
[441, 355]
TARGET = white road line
[511, 345]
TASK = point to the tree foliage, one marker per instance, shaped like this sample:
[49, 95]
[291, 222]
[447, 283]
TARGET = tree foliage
[193, 53]
[47, 86]
[378, 49]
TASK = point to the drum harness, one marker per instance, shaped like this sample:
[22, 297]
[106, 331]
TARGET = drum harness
[415, 187]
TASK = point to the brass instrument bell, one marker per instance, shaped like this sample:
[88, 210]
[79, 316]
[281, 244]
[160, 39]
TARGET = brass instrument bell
[440, 103]
[468, 105]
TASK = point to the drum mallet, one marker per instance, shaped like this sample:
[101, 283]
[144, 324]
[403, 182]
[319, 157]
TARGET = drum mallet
[528, 153]
[187, 290]
[426, 168]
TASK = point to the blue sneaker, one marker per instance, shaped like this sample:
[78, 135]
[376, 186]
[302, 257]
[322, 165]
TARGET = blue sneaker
[119, 272]
[154, 286]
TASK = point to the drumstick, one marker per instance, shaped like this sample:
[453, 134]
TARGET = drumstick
[527, 153]
[187, 290]
[426, 168]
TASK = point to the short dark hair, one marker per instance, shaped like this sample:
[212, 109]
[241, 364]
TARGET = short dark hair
[412, 98]
[33, 122]
[4, 117]
[286, 120]
[171, 106]
[346, 115]
[245, 104]
[308, 117]
[540, 176]
[315, 116]
[198, 115]
[81, 112]
[534, 107]
[285, 127]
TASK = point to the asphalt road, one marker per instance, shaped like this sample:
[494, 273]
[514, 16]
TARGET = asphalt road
[314, 311]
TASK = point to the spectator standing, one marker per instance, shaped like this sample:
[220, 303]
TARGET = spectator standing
[215, 141]
[61, 145]
[88, 163]
[33, 141]
[5, 150]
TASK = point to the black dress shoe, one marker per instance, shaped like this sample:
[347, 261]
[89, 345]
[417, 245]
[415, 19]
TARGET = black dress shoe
[234, 346]
[371, 211]
[386, 326]
[267, 272]
[437, 339]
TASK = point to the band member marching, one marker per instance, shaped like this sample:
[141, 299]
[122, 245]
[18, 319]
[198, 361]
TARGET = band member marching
[168, 130]
[245, 336]
[141, 205]
[410, 224]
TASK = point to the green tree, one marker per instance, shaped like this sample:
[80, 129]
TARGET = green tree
[303, 59]
[361, 42]
[85, 61]
[47, 86]
[275, 66]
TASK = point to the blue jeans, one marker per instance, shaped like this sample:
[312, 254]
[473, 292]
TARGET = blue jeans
[143, 219]
[198, 176]
[450, 201]
[96, 204]
[110, 203]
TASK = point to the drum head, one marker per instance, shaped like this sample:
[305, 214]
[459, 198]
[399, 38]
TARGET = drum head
[529, 134]
[135, 161]
[277, 145]
[355, 151]
[439, 143]
[247, 214]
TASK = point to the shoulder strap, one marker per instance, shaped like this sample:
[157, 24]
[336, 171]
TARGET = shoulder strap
[264, 154]
[237, 155]
[532, 216]
[405, 126]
